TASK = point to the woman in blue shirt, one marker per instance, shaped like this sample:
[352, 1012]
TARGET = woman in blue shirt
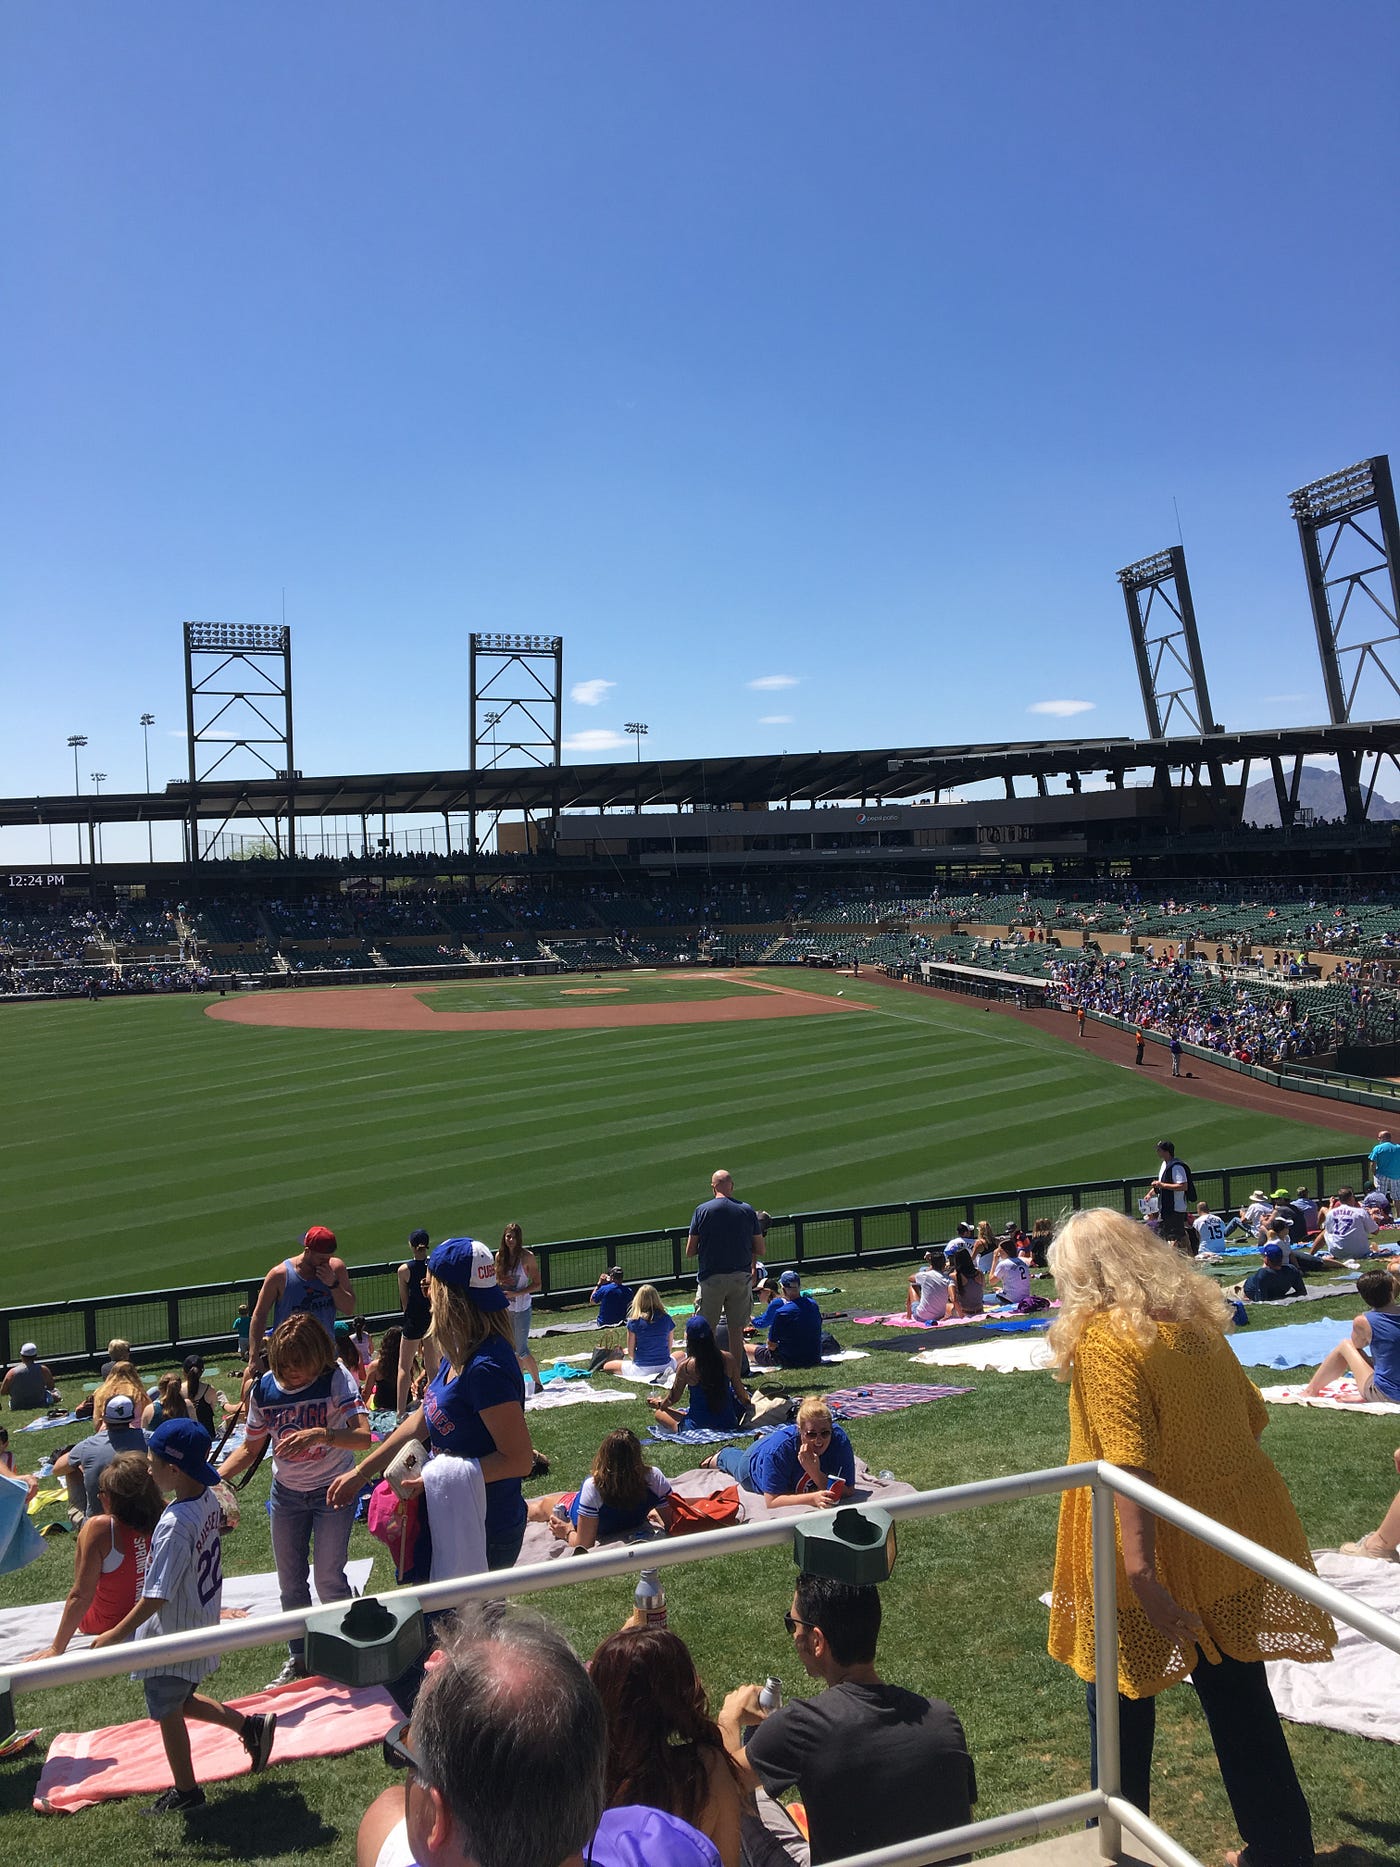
[710, 1375]
[475, 1404]
[810, 1463]
[649, 1332]
[612, 1295]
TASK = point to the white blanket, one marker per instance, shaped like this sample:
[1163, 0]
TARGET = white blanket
[26, 1630]
[570, 1394]
[1358, 1689]
[1012, 1355]
[455, 1494]
[1334, 1395]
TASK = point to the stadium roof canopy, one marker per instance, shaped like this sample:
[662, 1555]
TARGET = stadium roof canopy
[760, 778]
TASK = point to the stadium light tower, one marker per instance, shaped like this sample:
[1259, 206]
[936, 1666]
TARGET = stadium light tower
[98, 779]
[638, 730]
[76, 740]
[148, 720]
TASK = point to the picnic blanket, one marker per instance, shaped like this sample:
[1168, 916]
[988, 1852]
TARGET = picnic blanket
[540, 1544]
[26, 1630]
[1341, 1395]
[861, 1403]
[571, 1395]
[1296, 1345]
[1347, 1287]
[700, 1435]
[314, 1719]
[45, 1425]
[1358, 1689]
[1016, 1356]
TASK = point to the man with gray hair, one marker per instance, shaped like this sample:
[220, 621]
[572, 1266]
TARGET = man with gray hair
[727, 1241]
[505, 1753]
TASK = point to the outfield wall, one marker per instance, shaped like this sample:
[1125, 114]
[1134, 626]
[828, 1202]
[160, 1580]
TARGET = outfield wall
[73, 1333]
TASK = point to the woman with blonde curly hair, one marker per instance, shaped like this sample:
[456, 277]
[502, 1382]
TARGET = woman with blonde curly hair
[1155, 1388]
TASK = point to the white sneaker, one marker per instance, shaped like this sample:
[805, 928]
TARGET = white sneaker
[292, 1669]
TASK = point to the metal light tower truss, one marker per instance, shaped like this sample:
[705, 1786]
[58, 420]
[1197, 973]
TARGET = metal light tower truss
[517, 706]
[1351, 552]
[238, 707]
[1162, 620]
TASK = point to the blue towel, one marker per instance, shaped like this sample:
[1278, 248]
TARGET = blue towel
[1300, 1345]
[20, 1542]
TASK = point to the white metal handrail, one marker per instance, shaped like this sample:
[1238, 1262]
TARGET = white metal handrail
[1103, 1480]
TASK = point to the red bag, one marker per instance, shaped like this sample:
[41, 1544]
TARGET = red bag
[689, 1514]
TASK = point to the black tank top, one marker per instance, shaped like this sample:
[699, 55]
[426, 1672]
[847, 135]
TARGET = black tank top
[416, 1309]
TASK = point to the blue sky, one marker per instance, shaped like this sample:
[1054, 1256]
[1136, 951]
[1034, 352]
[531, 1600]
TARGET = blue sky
[849, 348]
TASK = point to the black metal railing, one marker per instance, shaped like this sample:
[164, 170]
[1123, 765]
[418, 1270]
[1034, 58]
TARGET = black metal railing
[74, 1332]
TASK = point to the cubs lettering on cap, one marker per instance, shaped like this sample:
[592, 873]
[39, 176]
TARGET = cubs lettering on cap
[319, 1238]
[466, 1264]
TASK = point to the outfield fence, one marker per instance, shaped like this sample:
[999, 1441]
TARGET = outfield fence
[73, 1332]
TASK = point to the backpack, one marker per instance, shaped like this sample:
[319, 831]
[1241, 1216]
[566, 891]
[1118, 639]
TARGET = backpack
[689, 1514]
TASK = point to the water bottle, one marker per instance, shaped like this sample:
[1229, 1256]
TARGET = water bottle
[529, 1383]
[771, 1697]
[887, 1476]
[649, 1599]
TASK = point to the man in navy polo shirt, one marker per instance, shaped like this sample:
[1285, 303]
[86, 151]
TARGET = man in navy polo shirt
[724, 1236]
[795, 1332]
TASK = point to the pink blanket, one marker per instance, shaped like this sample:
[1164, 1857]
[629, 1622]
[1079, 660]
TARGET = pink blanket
[314, 1719]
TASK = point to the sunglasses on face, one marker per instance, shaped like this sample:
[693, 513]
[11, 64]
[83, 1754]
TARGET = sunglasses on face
[790, 1621]
[396, 1752]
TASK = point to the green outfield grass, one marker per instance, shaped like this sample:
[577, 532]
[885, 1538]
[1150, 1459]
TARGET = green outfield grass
[962, 1619]
[144, 1145]
[576, 988]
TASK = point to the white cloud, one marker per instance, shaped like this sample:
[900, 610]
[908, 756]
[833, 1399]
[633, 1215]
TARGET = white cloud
[775, 719]
[1282, 700]
[590, 693]
[1062, 709]
[769, 683]
[595, 739]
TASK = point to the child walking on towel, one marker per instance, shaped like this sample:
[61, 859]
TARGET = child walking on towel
[183, 1590]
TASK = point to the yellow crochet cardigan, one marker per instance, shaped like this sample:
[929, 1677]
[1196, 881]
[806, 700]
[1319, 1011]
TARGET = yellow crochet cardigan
[1183, 1410]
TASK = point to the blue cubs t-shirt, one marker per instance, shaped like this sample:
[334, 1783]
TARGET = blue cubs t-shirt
[774, 1468]
[614, 1301]
[724, 1231]
[795, 1332]
[652, 1335]
[453, 1410]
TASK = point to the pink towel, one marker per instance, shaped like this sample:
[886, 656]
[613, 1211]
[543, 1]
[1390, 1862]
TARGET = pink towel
[314, 1719]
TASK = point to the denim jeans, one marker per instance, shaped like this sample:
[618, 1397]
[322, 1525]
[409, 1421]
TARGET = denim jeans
[734, 1461]
[302, 1520]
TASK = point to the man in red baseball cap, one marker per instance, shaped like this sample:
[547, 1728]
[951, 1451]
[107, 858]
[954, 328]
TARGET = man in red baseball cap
[316, 1281]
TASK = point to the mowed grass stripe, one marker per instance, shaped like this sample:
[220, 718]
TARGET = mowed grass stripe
[146, 1145]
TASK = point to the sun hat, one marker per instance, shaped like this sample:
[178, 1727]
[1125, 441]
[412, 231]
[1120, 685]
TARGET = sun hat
[468, 1265]
[185, 1445]
[319, 1238]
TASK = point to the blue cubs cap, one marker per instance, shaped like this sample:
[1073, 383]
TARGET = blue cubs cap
[185, 1445]
[466, 1264]
[789, 1277]
[1273, 1254]
[420, 1237]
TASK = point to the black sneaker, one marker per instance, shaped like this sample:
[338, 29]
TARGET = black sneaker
[256, 1737]
[176, 1802]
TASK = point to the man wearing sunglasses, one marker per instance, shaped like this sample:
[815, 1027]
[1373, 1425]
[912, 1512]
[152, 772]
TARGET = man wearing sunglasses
[505, 1756]
[874, 1765]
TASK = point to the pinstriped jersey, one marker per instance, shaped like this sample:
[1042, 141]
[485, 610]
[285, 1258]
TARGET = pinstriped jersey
[185, 1574]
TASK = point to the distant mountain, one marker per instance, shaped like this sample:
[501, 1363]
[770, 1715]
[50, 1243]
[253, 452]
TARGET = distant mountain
[1318, 791]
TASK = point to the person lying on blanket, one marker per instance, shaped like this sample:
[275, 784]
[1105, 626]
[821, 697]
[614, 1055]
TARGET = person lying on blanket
[1372, 1356]
[620, 1496]
[810, 1464]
